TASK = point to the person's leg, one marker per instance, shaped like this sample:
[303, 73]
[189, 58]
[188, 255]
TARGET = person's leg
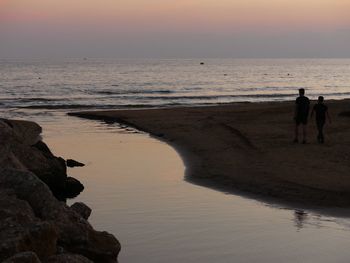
[320, 137]
[318, 131]
[296, 132]
[304, 133]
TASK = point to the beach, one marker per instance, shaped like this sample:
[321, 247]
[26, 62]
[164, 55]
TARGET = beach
[248, 146]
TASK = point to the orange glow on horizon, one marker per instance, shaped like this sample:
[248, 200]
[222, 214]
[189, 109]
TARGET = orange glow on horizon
[182, 15]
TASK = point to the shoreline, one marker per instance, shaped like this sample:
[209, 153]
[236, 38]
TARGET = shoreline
[226, 147]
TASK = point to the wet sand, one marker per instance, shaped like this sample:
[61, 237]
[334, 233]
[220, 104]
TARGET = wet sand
[248, 146]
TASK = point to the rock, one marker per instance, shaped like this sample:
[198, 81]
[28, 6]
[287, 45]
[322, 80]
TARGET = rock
[73, 163]
[6, 140]
[100, 247]
[75, 234]
[42, 147]
[60, 250]
[82, 209]
[26, 186]
[71, 258]
[50, 170]
[31, 217]
[73, 187]
[25, 132]
[21, 230]
[21, 148]
[23, 257]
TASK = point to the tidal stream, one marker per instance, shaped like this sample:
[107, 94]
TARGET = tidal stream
[135, 186]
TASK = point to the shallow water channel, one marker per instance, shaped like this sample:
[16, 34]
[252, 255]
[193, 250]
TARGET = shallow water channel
[136, 188]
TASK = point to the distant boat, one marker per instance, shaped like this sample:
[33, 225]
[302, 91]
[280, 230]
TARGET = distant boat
[202, 63]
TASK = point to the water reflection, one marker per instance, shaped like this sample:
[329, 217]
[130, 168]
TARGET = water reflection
[300, 218]
[135, 186]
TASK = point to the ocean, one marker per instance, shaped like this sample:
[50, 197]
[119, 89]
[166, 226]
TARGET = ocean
[43, 90]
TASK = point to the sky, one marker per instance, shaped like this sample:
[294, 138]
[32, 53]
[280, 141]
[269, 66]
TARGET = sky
[175, 28]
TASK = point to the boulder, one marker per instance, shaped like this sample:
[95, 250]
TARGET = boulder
[73, 187]
[24, 257]
[75, 234]
[42, 147]
[21, 230]
[7, 159]
[73, 163]
[25, 132]
[71, 258]
[22, 149]
[52, 171]
[31, 216]
[82, 209]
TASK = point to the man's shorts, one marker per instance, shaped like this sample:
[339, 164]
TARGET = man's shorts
[302, 119]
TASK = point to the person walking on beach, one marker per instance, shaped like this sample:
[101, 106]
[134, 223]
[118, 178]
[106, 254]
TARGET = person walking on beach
[321, 115]
[302, 105]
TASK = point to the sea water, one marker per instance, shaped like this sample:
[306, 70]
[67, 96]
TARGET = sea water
[43, 87]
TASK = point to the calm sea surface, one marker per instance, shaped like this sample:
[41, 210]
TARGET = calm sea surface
[38, 87]
[135, 184]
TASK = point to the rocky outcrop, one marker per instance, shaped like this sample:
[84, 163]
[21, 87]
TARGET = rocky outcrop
[71, 258]
[82, 209]
[21, 230]
[23, 149]
[32, 219]
[23, 257]
[72, 188]
[73, 163]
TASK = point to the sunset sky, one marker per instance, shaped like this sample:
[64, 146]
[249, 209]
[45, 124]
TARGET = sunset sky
[175, 29]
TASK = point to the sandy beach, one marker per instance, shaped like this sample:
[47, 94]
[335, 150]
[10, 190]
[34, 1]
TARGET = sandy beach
[248, 146]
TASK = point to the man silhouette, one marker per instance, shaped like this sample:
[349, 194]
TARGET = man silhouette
[302, 105]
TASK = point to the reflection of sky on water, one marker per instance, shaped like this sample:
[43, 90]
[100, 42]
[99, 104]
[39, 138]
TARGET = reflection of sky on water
[136, 188]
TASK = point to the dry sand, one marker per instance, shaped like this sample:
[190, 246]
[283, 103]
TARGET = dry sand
[248, 146]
